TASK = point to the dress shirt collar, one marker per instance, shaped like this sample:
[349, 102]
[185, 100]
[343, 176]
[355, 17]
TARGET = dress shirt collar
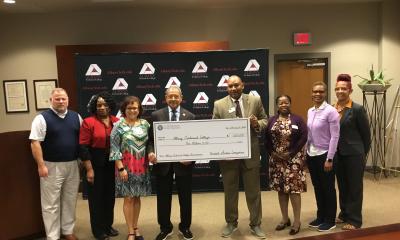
[322, 107]
[61, 115]
[341, 110]
[177, 110]
[240, 99]
[347, 105]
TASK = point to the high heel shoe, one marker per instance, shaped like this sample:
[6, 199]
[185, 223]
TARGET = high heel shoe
[294, 231]
[282, 226]
[130, 235]
[138, 236]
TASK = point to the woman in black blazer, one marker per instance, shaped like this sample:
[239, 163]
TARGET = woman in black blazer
[354, 143]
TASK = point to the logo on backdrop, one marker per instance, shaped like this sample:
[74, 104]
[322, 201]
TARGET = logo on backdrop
[199, 70]
[254, 93]
[93, 74]
[223, 83]
[120, 84]
[149, 102]
[93, 70]
[173, 81]
[201, 100]
[120, 87]
[147, 71]
[252, 68]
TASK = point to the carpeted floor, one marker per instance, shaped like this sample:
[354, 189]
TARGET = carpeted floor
[381, 207]
[386, 232]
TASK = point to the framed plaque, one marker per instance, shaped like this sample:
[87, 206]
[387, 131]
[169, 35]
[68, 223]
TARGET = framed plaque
[15, 96]
[42, 89]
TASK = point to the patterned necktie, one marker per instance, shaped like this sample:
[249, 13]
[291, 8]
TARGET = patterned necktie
[173, 117]
[238, 110]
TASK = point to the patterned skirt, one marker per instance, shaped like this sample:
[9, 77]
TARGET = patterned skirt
[288, 176]
[135, 186]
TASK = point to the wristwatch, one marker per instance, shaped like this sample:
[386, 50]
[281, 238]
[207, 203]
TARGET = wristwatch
[121, 169]
[329, 160]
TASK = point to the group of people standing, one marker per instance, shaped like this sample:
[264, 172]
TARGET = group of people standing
[116, 154]
[332, 143]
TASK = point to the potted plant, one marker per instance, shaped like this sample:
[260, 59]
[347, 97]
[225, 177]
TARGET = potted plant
[375, 82]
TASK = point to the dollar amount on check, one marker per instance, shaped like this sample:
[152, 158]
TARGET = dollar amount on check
[217, 139]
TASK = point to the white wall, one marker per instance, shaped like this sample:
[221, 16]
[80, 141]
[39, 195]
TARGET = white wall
[390, 47]
[351, 32]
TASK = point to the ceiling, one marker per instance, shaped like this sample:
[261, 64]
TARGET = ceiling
[54, 6]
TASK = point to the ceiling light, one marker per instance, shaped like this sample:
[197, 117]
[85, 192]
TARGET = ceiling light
[9, 1]
[111, 1]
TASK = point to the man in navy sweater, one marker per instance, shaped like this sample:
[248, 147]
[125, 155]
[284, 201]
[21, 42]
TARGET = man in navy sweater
[55, 144]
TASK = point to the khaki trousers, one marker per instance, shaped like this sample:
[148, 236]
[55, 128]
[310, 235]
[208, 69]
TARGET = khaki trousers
[59, 192]
[231, 170]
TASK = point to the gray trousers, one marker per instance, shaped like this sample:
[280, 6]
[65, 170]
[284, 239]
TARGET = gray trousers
[59, 192]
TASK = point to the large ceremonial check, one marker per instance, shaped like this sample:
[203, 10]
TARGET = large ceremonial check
[216, 139]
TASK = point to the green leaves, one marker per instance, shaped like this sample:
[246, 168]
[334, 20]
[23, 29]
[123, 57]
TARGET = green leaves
[374, 78]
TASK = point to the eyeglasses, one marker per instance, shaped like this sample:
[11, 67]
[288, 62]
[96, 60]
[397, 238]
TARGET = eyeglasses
[318, 91]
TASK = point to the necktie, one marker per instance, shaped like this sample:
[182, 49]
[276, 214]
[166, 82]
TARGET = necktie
[173, 117]
[238, 110]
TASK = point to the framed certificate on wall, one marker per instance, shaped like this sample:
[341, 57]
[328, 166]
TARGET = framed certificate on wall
[42, 91]
[15, 96]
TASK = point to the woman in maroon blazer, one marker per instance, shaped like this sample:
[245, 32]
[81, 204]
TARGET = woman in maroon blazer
[286, 135]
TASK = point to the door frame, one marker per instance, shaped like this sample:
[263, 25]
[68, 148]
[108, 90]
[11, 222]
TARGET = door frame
[300, 56]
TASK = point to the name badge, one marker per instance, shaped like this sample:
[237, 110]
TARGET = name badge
[231, 110]
[295, 127]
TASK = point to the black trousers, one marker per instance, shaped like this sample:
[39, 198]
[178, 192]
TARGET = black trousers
[349, 174]
[164, 186]
[324, 188]
[101, 196]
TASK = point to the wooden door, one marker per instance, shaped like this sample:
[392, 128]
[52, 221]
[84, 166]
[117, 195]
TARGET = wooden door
[295, 78]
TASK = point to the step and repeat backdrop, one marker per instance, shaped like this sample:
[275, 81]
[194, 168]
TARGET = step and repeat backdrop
[201, 76]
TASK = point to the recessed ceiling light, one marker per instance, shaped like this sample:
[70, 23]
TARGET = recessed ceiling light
[111, 1]
[9, 1]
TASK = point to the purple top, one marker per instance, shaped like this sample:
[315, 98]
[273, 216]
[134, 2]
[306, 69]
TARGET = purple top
[323, 126]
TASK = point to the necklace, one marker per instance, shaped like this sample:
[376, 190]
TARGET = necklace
[281, 117]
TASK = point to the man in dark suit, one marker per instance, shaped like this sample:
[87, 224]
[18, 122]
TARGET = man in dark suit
[354, 143]
[241, 105]
[165, 172]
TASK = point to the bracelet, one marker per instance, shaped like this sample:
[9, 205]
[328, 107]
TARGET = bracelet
[121, 169]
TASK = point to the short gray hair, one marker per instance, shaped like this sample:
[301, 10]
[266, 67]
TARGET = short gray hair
[58, 90]
[173, 87]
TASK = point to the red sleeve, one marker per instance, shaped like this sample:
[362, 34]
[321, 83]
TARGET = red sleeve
[86, 132]
[114, 118]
